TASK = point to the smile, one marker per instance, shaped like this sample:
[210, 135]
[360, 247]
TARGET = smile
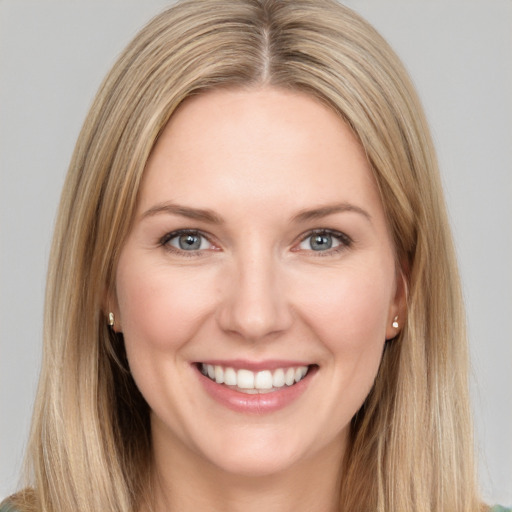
[247, 381]
[255, 388]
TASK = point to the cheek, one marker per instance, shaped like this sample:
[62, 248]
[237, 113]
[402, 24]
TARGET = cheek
[158, 308]
[349, 316]
[351, 312]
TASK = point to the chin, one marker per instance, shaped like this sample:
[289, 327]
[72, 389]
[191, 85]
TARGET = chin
[256, 464]
[260, 453]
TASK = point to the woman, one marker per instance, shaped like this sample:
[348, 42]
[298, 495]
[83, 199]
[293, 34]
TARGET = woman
[253, 298]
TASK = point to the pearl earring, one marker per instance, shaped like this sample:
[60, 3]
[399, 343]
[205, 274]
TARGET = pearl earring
[395, 322]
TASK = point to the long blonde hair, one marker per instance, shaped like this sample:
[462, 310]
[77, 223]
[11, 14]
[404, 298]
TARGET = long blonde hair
[411, 446]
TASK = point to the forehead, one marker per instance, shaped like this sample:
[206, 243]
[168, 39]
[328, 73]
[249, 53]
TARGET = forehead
[257, 145]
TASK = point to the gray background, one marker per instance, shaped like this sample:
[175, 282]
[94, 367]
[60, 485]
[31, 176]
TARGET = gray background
[53, 55]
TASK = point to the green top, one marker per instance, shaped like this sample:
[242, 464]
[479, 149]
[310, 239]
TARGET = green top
[497, 508]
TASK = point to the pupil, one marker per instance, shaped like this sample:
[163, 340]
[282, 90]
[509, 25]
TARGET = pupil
[321, 242]
[189, 242]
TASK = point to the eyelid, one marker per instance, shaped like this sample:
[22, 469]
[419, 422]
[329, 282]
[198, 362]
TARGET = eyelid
[345, 241]
[164, 242]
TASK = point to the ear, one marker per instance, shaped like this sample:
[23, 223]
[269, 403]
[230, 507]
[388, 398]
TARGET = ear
[398, 307]
[111, 311]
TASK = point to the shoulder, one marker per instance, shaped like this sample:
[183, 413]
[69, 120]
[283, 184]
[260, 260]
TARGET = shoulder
[25, 500]
[6, 506]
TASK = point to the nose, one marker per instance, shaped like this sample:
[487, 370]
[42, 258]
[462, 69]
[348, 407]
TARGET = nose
[254, 301]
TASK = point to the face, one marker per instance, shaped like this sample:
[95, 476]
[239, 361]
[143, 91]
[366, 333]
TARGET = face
[258, 285]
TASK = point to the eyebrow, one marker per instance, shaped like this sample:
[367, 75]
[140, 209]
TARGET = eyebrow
[210, 217]
[324, 211]
[184, 211]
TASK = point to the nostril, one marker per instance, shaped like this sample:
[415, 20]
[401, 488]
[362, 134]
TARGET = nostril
[254, 320]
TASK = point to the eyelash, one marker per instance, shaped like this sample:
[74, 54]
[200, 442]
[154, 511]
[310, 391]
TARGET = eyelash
[164, 242]
[345, 242]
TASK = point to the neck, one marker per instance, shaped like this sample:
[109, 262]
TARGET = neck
[184, 481]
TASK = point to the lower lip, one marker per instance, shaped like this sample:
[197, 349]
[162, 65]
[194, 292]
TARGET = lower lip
[259, 403]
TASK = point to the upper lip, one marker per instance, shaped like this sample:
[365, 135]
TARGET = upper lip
[255, 366]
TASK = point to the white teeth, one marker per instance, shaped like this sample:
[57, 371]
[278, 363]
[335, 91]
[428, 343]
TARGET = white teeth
[229, 377]
[263, 380]
[245, 379]
[219, 374]
[278, 378]
[254, 382]
[289, 377]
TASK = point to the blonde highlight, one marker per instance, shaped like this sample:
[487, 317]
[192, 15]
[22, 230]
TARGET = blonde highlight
[411, 442]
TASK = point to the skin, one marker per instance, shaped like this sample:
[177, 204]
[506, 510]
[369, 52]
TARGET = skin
[255, 290]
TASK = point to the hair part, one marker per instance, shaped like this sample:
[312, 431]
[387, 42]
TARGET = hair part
[411, 443]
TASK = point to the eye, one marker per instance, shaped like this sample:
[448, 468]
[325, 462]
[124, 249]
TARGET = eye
[323, 240]
[186, 240]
